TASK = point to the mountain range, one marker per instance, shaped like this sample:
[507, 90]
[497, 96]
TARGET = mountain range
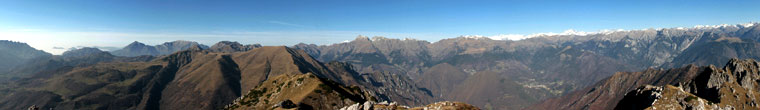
[524, 72]
[562, 71]
[188, 79]
[137, 48]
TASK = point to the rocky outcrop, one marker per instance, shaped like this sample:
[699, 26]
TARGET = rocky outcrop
[732, 87]
[667, 97]
[300, 91]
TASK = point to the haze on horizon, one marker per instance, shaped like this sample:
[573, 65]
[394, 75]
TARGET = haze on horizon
[65, 24]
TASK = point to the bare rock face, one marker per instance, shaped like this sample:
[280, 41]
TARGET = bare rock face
[746, 73]
[733, 86]
[709, 83]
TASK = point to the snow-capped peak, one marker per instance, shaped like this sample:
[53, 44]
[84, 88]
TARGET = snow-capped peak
[474, 36]
[407, 38]
[605, 31]
[508, 37]
[748, 25]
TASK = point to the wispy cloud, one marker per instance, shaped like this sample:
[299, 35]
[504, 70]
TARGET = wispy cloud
[287, 24]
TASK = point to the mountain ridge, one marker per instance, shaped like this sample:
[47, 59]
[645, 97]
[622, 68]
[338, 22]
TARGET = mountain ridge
[136, 48]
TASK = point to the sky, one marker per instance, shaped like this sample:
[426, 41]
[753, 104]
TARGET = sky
[54, 26]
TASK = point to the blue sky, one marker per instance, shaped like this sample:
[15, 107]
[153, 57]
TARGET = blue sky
[44, 24]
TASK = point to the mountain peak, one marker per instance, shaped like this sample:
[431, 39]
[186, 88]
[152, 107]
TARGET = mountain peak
[362, 38]
[736, 64]
[228, 43]
[135, 44]
[232, 46]
[180, 43]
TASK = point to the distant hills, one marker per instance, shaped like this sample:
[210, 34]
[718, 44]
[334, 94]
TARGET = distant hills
[189, 79]
[137, 48]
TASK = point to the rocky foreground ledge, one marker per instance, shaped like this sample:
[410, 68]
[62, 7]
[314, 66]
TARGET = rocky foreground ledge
[736, 86]
[445, 105]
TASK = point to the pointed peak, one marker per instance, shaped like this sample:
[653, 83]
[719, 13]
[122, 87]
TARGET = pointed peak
[135, 43]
